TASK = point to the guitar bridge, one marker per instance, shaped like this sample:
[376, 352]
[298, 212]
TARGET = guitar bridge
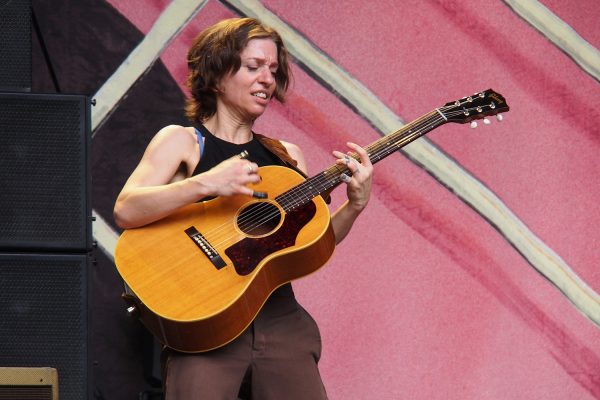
[203, 244]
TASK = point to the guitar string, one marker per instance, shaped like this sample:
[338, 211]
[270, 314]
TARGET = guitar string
[260, 218]
[297, 195]
[297, 200]
[302, 197]
[263, 212]
[408, 128]
[384, 142]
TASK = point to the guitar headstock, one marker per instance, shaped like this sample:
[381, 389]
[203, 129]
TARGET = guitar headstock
[474, 107]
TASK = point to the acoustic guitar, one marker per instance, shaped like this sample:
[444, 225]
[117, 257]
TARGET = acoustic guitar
[199, 276]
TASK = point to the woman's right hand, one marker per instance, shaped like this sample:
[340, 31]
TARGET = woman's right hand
[228, 178]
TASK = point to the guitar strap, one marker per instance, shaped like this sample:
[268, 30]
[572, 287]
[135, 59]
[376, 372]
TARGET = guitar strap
[279, 151]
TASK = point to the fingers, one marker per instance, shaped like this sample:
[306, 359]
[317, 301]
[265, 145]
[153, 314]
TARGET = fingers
[363, 156]
[241, 165]
[241, 189]
[246, 170]
[359, 171]
[232, 177]
[243, 171]
[345, 159]
[345, 178]
[247, 173]
[355, 167]
[240, 181]
[362, 153]
[245, 190]
[357, 176]
[251, 167]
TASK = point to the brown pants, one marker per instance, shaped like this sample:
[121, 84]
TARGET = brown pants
[275, 358]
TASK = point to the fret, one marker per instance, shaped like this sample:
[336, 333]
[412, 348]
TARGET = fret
[461, 111]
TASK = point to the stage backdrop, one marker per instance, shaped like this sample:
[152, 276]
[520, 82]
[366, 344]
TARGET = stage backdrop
[473, 274]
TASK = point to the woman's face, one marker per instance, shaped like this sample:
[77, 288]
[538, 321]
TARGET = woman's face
[246, 93]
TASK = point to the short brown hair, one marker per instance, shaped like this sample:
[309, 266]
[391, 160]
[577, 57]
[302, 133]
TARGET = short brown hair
[216, 52]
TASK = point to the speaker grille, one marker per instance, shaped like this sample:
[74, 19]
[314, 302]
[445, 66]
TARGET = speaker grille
[15, 51]
[43, 304]
[25, 392]
[44, 172]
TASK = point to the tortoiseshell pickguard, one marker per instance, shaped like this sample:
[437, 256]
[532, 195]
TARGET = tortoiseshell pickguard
[249, 252]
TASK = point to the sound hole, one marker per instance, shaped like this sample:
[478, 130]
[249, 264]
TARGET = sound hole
[259, 219]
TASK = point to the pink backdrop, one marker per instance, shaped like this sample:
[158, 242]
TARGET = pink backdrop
[425, 299]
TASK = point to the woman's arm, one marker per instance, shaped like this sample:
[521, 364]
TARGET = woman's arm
[160, 183]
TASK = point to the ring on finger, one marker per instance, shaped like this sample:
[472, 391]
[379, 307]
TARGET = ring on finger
[353, 162]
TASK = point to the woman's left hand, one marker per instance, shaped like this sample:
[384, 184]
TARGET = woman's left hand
[359, 184]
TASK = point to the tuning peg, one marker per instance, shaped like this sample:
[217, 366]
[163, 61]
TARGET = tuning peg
[499, 117]
[486, 121]
[473, 124]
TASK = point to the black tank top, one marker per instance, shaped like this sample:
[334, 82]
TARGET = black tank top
[216, 150]
[213, 151]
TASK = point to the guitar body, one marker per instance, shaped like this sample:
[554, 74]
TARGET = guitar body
[200, 275]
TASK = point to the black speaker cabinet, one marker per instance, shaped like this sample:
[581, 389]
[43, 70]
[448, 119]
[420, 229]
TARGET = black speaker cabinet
[44, 172]
[45, 320]
[15, 45]
[28, 383]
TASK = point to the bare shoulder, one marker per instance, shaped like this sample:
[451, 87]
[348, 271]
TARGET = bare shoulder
[175, 133]
[296, 153]
[172, 139]
[290, 147]
[167, 158]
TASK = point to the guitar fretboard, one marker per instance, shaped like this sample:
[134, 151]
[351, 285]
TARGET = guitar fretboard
[377, 151]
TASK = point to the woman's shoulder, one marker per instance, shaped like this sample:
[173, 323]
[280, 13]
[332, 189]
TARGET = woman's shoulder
[176, 140]
[292, 149]
[176, 133]
[296, 153]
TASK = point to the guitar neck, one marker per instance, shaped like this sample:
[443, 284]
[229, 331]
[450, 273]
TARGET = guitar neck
[325, 181]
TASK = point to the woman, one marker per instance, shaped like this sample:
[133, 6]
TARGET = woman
[236, 67]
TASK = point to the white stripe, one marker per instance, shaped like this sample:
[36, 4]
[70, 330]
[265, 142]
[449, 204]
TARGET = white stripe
[168, 25]
[559, 33]
[425, 154]
[105, 236]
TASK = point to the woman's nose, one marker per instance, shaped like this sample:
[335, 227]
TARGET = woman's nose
[266, 76]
